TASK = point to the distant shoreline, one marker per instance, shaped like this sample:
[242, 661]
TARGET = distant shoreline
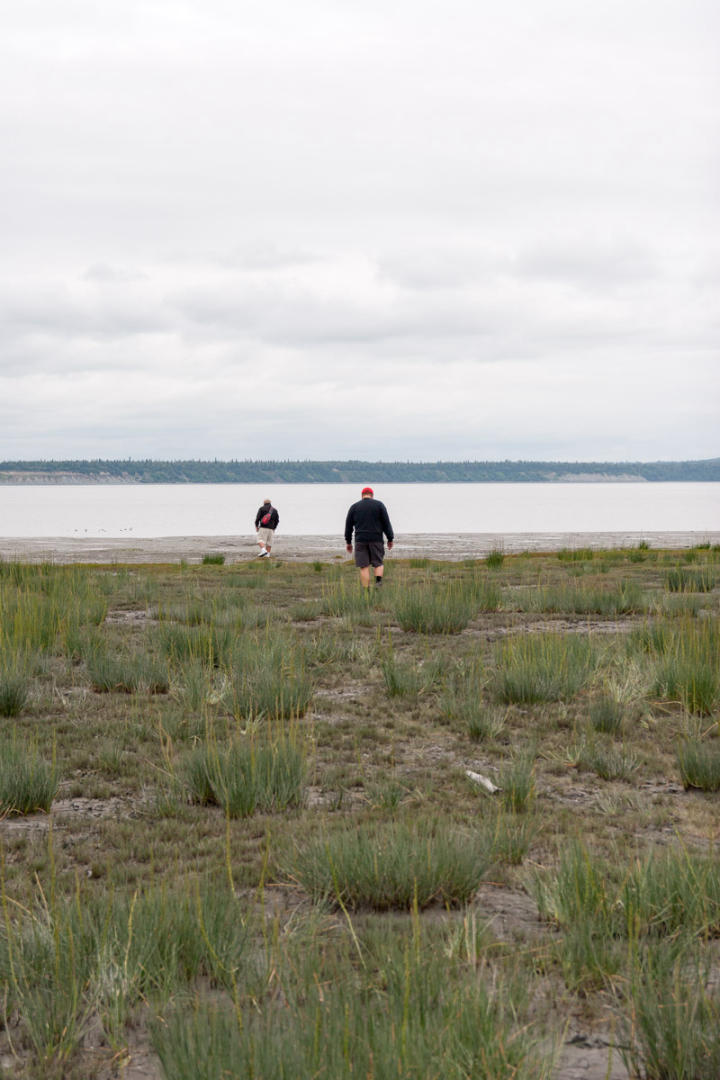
[33, 480]
[353, 472]
[451, 547]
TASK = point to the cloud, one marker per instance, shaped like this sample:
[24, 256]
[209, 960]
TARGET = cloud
[589, 265]
[359, 229]
[104, 274]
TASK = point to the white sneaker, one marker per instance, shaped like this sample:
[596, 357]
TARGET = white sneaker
[264, 555]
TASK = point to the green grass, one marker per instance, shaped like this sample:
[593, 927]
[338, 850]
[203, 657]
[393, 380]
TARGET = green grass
[463, 703]
[495, 558]
[407, 678]
[608, 760]
[670, 1017]
[194, 686]
[15, 681]
[685, 580]
[607, 715]
[699, 764]
[110, 673]
[575, 554]
[618, 599]
[517, 782]
[199, 644]
[543, 667]
[686, 669]
[512, 835]
[341, 598]
[70, 968]
[268, 677]
[282, 862]
[673, 892]
[393, 866]
[432, 609]
[28, 782]
[244, 776]
[385, 1002]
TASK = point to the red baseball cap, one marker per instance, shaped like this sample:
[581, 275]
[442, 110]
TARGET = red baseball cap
[367, 491]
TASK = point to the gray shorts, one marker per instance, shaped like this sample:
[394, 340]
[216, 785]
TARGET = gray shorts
[265, 536]
[369, 553]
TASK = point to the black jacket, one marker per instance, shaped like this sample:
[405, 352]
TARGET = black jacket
[369, 518]
[274, 517]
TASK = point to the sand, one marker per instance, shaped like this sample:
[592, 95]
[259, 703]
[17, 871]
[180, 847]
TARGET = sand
[173, 549]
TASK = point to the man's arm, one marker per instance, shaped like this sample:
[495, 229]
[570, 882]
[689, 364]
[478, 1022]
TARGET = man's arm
[387, 527]
[349, 526]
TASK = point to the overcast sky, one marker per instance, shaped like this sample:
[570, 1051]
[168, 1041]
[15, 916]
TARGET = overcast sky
[384, 229]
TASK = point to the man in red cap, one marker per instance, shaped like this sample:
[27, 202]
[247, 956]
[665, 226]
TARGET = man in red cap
[369, 519]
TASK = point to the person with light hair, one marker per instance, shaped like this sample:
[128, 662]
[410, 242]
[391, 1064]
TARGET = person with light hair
[267, 520]
[369, 520]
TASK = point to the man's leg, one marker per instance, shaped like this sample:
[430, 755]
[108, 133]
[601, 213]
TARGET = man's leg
[264, 541]
[362, 561]
[376, 559]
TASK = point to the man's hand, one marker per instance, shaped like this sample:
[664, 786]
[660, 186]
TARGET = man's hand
[348, 548]
[390, 544]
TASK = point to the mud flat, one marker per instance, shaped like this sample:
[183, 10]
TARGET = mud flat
[451, 547]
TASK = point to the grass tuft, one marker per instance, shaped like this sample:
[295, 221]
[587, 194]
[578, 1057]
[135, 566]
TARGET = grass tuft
[14, 682]
[244, 777]
[517, 782]
[433, 609]
[670, 1017]
[126, 674]
[495, 558]
[606, 760]
[699, 764]
[543, 667]
[392, 866]
[607, 715]
[684, 579]
[406, 678]
[386, 1002]
[27, 781]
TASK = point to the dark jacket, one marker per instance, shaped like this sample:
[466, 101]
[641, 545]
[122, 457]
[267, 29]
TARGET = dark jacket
[370, 520]
[274, 516]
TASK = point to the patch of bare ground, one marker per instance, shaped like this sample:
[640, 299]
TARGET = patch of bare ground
[570, 625]
[130, 617]
[29, 823]
[351, 690]
[511, 915]
[115, 807]
[493, 626]
[590, 1057]
[136, 1063]
[317, 799]
[69, 810]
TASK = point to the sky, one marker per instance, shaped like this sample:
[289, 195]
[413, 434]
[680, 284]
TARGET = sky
[385, 230]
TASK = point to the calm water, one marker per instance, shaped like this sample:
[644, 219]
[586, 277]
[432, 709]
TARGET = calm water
[154, 510]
